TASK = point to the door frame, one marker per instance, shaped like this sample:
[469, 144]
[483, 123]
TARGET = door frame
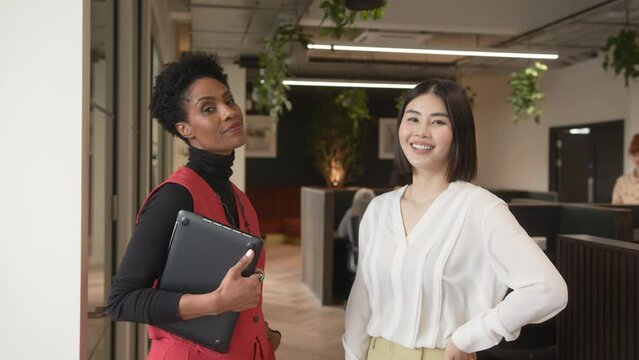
[553, 174]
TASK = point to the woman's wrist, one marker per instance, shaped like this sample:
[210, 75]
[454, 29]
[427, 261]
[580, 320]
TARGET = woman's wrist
[214, 303]
[192, 306]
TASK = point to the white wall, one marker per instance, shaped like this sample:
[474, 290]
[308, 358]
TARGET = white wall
[516, 155]
[42, 110]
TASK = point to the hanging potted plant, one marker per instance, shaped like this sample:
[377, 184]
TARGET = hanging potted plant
[361, 5]
[343, 13]
[525, 96]
[337, 135]
[622, 54]
[269, 94]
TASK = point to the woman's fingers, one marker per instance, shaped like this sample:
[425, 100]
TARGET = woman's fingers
[242, 264]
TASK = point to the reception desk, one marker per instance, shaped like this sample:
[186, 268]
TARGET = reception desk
[321, 211]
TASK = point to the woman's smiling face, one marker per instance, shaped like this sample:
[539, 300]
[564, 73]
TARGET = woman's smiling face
[214, 121]
[425, 134]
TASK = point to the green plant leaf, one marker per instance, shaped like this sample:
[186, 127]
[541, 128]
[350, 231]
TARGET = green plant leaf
[270, 94]
[343, 18]
[622, 54]
[337, 132]
[525, 96]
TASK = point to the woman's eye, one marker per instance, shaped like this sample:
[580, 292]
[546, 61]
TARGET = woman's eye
[230, 101]
[412, 119]
[439, 122]
[208, 109]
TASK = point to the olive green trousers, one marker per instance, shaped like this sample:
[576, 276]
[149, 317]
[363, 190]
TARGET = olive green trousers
[382, 349]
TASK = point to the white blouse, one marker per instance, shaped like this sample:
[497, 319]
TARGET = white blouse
[448, 277]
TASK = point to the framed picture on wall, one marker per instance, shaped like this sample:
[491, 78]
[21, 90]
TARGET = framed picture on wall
[386, 137]
[261, 136]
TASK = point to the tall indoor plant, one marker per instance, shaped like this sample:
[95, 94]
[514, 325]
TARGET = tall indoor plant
[337, 132]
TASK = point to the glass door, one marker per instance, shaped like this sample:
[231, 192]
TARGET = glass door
[102, 122]
[158, 163]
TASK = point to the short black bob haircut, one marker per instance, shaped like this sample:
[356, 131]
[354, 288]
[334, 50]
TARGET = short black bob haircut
[463, 152]
[173, 83]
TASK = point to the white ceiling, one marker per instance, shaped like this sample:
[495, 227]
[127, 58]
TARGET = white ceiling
[575, 29]
[496, 17]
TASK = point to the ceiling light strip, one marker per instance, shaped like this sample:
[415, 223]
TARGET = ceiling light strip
[320, 47]
[355, 84]
[501, 54]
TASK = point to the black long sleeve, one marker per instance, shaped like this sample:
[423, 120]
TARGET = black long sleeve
[132, 297]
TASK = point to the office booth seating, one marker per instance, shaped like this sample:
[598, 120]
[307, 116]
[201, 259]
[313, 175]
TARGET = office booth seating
[515, 195]
[602, 317]
[635, 215]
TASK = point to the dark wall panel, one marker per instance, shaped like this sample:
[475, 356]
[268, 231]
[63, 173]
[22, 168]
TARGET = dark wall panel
[293, 165]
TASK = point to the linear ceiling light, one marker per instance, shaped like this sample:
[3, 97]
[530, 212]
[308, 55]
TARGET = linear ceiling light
[501, 54]
[340, 83]
[580, 131]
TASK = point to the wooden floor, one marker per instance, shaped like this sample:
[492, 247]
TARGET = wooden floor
[309, 331]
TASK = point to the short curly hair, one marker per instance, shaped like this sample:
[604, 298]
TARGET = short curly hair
[171, 86]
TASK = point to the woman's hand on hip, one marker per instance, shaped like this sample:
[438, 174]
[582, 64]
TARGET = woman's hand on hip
[237, 293]
[453, 353]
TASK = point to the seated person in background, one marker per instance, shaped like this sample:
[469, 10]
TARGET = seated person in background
[362, 197]
[626, 190]
[346, 229]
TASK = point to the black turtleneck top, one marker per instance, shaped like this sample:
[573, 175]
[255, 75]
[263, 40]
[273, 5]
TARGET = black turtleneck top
[132, 297]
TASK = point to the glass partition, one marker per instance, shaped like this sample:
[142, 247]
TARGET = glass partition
[102, 122]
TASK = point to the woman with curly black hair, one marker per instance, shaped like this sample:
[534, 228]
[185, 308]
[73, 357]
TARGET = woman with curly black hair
[191, 100]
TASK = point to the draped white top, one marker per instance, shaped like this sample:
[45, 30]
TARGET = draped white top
[448, 277]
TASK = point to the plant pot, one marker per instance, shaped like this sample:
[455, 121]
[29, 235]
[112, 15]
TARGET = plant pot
[362, 5]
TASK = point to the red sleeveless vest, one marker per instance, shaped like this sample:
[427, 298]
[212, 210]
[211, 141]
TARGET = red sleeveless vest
[249, 339]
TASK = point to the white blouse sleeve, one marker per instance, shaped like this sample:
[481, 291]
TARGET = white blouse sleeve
[358, 310]
[539, 291]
